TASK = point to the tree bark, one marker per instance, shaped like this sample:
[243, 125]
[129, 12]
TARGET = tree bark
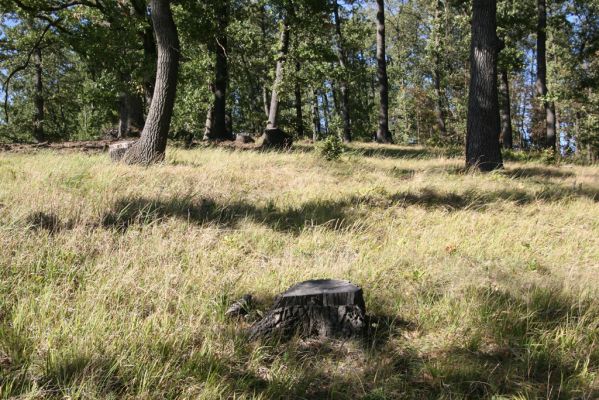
[437, 73]
[219, 129]
[344, 85]
[151, 146]
[281, 59]
[38, 118]
[505, 110]
[482, 137]
[541, 83]
[315, 117]
[299, 118]
[382, 134]
[325, 308]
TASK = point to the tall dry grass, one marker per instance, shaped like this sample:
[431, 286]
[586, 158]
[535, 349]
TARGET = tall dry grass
[114, 279]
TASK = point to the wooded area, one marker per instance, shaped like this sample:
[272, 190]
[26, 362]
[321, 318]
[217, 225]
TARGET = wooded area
[521, 74]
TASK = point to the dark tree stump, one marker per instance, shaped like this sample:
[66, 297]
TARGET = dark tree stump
[324, 307]
[118, 150]
[276, 138]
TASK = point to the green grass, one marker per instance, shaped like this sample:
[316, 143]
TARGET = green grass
[114, 279]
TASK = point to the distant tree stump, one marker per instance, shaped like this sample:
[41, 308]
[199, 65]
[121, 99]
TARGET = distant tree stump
[243, 138]
[118, 150]
[276, 138]
[322, 307]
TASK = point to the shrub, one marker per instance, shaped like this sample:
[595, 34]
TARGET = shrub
[331, 148]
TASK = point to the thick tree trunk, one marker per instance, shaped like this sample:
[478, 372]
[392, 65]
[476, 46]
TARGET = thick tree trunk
[505, 110]
[482, 137]
[299, 118]
[38, 118]
[323, 308]
[344, 85]
[382, 134]
[219, 129]
[151, 146]
[315, 117]
[541, 85]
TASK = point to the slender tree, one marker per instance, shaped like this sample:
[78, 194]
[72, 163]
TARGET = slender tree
[151, 146]
[273, 111]
[38, 118]
[344, 84]
[299, 118]
[315, 117]
[382, 134]
[482, 137]
[219, 129]
[505, 109]
[549, 140]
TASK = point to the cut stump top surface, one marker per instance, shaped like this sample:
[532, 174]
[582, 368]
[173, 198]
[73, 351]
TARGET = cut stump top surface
[323, 292]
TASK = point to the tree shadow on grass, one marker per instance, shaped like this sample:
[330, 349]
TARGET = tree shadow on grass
[143, 211]
[331, 214]
[538, 172]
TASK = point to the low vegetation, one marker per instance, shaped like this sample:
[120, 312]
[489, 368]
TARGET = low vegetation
[114, 279]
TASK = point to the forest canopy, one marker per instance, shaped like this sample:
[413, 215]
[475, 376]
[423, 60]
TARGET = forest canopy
[75, 70]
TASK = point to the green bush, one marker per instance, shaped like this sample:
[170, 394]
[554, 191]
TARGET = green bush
[331, 148]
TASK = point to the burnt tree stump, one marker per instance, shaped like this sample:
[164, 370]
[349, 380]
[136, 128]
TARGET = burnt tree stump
[323, 307]
[116, 151]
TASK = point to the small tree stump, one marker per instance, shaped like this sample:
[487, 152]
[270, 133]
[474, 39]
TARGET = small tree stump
[323, 307]
[118, 150]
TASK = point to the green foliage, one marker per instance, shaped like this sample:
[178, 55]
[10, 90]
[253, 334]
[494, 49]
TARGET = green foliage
[331, 148]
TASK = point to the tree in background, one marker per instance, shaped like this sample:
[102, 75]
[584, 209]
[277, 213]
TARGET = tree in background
[382, 134]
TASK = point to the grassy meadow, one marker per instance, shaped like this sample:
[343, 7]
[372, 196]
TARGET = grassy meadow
[114, 279]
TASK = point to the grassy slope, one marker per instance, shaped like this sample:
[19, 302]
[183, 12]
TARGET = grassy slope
[114, 279]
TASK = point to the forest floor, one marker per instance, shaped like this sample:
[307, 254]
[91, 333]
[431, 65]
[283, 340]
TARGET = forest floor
[114, 279]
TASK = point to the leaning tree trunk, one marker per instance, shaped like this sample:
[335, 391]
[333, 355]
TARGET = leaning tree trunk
[482, 137]
[344, 84]
[382, 134]
[219, 129]
[319, 307]
[505, 110]
[541, 84]
[151, 146]
[38, 118]
[273, 136]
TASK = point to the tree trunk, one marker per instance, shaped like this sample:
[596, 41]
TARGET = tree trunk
[299, 118]
[382, 134]
[151, 146]
[209, 123]
[344, 85]
[315, 117]
[38, 118]
[219, 129]
[437, 71]
[282, 58]
[482, 137]
[326, 107]
[505, 110]
[541, 84]
[320, 307]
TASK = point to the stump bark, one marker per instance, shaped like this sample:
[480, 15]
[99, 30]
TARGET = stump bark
[324, 308]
